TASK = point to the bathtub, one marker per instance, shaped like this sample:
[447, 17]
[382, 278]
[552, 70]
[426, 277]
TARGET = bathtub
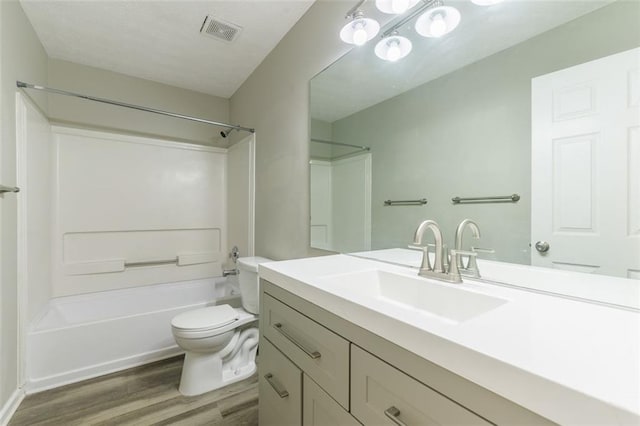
[84, 336]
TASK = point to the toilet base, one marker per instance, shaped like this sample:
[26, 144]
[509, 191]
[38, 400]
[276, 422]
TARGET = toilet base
[205, 372]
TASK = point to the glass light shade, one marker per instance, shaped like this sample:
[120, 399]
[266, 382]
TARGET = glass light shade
[393, 48]
[395, 6]
[438, 21]
[359, 31]
[486, 2]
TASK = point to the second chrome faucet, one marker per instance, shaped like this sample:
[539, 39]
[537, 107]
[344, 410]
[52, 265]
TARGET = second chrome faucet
[455, 265]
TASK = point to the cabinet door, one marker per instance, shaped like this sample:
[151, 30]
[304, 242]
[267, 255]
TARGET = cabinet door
[280, 388]
[381, 394]
[319, 409]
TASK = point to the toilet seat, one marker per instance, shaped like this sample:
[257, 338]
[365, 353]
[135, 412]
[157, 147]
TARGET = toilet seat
[208, 322]
[205, 318]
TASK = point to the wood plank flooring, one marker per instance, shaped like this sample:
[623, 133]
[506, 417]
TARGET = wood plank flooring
[146, 395]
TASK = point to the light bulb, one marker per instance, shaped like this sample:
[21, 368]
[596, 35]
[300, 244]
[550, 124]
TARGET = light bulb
[359, 35]
[438, 26]
[359, 30]
[438, 21]
[393, 48]
[399, 6]
[393, 53]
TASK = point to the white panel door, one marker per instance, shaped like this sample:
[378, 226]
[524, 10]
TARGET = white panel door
[586, 167]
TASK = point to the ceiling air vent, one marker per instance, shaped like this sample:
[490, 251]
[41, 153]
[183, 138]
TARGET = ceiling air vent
[219, 29]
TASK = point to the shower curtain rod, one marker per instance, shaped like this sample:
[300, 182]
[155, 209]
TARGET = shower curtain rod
[137, 107]
[364, 148]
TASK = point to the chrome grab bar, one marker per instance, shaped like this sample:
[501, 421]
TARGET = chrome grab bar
[312, 354]
[419, 202]
[497, 199]
[4, 189]
[158, 262]
[392, 414]
[282, 393]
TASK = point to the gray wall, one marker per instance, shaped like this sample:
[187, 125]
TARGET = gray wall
[106, 84]
[21, 57]
[469, 134]
[275, 100]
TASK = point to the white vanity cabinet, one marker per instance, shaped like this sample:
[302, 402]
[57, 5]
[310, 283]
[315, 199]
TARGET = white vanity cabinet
[350, 376]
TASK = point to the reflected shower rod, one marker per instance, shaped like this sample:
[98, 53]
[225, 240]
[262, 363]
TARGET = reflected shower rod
[131, 106]
[364, 148]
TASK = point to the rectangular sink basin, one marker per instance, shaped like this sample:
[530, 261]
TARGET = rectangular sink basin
[445, 300]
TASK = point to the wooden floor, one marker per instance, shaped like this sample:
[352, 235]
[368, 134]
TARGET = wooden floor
[146, 395]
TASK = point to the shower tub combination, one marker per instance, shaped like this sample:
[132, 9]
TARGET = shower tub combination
[84, 336]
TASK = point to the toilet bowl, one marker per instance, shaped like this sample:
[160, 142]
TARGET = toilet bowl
[220, 342]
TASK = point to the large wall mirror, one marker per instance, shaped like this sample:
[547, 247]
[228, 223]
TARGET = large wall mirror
[554, 83]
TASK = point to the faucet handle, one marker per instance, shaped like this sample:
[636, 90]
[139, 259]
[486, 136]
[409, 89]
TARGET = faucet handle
[472, 264]
[482, 250]
[426, 263]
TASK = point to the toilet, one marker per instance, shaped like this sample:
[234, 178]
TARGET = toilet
[220, 342]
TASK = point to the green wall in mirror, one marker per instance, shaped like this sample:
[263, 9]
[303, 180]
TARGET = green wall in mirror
[465, 132]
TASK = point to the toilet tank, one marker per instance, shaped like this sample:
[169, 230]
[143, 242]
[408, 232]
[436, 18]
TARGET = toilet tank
[249, 282]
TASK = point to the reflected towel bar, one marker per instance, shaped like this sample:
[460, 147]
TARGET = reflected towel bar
[498, 199]
[420, 202]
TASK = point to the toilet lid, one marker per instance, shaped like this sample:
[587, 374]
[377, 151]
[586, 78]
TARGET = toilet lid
[205, 318]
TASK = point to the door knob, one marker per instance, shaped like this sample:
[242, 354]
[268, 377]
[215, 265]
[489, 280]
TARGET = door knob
[542, 246]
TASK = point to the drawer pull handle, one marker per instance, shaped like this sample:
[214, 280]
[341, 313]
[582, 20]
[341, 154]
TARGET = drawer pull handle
[310, 353]
[392, 413]
[282, 393]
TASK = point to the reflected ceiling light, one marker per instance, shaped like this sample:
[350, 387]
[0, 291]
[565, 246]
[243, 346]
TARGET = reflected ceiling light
[395, 6]
[393, 47]
[438, 21]
[486, 2]
[360, 30]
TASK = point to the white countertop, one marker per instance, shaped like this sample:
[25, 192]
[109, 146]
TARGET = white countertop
[569, 361]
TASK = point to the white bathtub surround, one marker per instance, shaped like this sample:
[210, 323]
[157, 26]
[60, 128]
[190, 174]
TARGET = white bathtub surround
[88, 335]
[132, 211]
[569, 361]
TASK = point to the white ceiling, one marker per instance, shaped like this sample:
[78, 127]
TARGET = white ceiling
[161, 40]
[360, 79]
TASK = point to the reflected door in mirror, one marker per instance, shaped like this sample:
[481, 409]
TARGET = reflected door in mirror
[586, 167]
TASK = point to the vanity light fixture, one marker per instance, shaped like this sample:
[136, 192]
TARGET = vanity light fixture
[395, 7]
[360, 30]
[438, 21]
[393, 47]
[435, 20]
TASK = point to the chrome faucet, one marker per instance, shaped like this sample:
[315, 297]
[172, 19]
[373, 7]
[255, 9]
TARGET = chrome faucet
[437, 270]
[472, 266]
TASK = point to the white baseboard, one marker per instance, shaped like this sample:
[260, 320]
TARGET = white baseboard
[11, 406]
[73, 376]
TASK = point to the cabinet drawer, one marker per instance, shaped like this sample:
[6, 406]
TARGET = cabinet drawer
[320, 353]
[280, 388]
[319, 409]
[381, 394]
